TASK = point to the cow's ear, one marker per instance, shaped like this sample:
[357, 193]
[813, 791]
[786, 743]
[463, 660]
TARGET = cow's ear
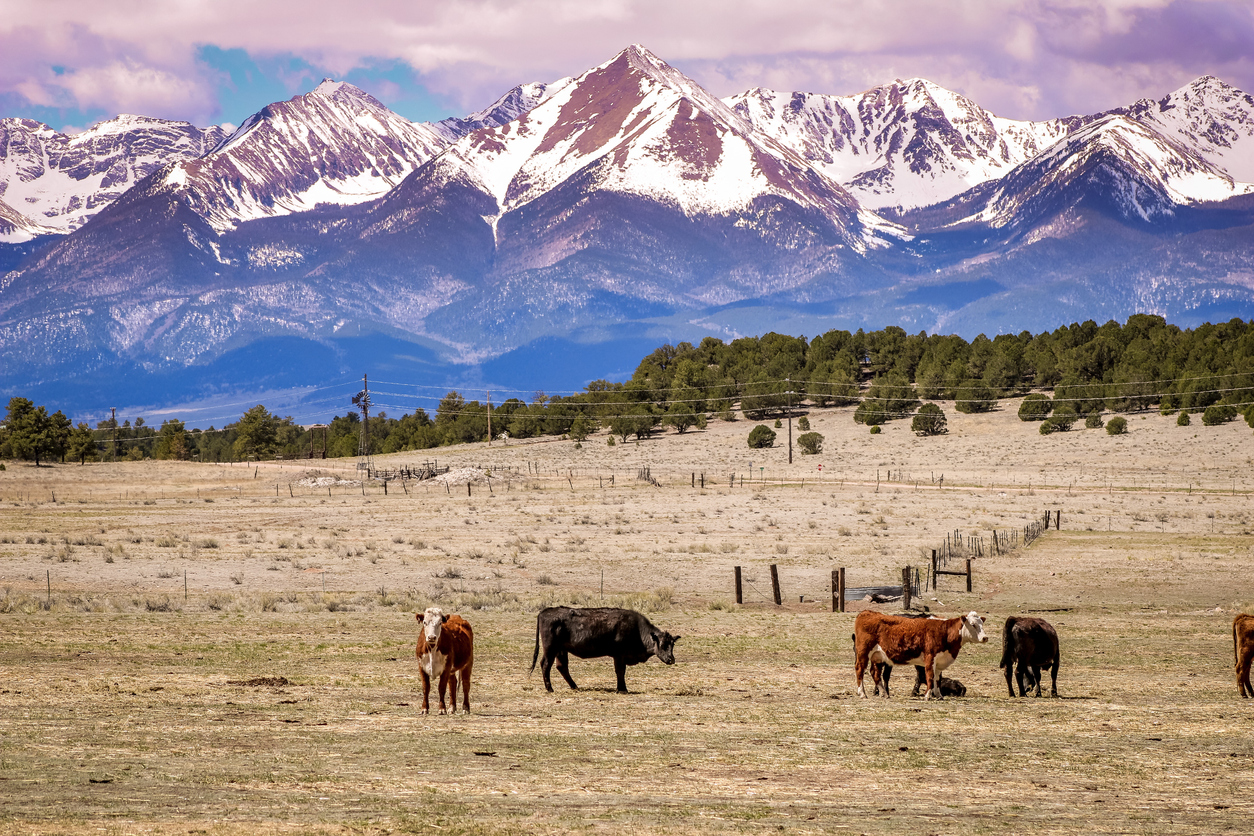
[445, 618]
[418, 616]
[675, 639]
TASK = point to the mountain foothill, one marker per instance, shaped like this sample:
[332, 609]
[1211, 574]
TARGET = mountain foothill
[625, 204]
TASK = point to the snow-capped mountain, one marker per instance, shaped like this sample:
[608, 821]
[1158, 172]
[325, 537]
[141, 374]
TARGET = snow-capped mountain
[1133, 170]
[60, 182]
[335, 145]
[1212, 119]
[636, 126]
[906, 144]
[629, 200]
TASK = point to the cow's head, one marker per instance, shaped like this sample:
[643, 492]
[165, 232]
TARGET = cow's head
[973, 628]
[664, 646]
[432, 623]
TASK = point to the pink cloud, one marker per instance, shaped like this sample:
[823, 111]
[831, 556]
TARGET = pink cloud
[1026, 59]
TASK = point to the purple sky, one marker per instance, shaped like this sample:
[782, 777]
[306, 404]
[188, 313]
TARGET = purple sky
[73, 62]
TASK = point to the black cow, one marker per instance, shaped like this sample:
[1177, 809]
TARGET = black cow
[1028, 644]
[625, 635]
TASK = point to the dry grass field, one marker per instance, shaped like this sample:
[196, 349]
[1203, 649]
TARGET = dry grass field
[195, 648]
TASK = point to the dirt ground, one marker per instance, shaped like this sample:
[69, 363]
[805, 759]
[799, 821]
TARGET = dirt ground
[229, 649]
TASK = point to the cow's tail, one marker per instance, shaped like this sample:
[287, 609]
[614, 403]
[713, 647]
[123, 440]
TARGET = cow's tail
[535, 654]
[1007, 654]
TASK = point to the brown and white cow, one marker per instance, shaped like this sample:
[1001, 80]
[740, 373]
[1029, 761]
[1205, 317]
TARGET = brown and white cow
[446, 654]
[931, 643]
[1243, 651]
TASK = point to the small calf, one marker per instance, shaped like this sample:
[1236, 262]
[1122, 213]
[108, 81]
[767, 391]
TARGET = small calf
[445, 653]
[1028, 644]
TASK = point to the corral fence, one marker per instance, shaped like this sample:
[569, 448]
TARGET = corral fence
[907, 590]
[962, 549]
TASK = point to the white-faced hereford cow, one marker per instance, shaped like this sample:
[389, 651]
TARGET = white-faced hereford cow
[931, 643]
[1243, 651]
[446, 653]
[949, 687]
[625, 635]
[1027, 645]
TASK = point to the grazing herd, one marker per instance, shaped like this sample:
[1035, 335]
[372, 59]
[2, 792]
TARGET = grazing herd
[445, 649]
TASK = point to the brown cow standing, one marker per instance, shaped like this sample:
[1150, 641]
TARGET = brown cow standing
[932, 643]
[1243, 651]
[445, 653]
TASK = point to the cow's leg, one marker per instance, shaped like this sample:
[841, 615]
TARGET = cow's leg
[1053, 678]
[1036, 674]
[444, 682]
[426, 692]
[1010, 675]
[546, 665]
[1021, 677]
[877, 677]
[886, 673]
[466, 688]
[620, 671]
[563, 667]
[933, 686]
[859, 668]
[1244, 663]
[920, 679]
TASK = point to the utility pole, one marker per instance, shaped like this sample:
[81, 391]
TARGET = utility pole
[113, 411]
[788, 380]
[489, 419]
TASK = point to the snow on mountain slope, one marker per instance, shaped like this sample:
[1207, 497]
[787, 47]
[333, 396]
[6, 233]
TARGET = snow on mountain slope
[1143, 174]
[910, 143]
[644, 129]
[16, 228]
[61, 181]
[507, 108]
[335, 145]
[1213, 119]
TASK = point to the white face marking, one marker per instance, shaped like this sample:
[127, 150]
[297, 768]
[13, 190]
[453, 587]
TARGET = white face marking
[973, 628]
[432, 624]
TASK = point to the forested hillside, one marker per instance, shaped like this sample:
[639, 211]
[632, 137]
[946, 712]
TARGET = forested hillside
[1143, 364]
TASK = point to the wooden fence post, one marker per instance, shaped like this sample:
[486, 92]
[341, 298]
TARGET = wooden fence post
[775, 584]
[836, 607]
[1058, 520]
[842, 589]
[740, 598]
[968, 574]
[933, 568]
[905, 587]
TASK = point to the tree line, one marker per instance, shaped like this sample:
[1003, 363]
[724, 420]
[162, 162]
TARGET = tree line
[1142, 364]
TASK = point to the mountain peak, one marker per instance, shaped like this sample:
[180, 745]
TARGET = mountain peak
[328, 87]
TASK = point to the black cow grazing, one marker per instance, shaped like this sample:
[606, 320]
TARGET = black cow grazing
[1028, 644]
[625, 635]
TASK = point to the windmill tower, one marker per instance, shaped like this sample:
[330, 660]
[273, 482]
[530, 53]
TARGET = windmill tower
[362, 401]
